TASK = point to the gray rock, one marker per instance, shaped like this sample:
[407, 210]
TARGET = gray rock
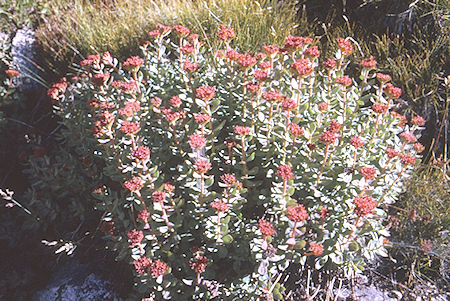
[74, 282]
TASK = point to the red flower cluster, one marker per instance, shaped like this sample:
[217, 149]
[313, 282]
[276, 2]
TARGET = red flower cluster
[175, 101]
[134, 184]
[323, 106]
[226, 33]
[271, 50]
[345, 46]
[130, 108]
[356, 141]
[198, 264]
[135, 237]
[392, 153]
[93, 59]
[141, 153]
[187, 49]
[384, 78]
[219, 206]
[392, 91]
[143, 215]
[316, 249]
[289, 104]
[133, 63]
[128, 87]
[201, 166]
[327, 137]
[228, 179]
[285, 172]
[408, 137]
[418, 120]
[260, 75]
[57, 88]
[264, 65]
[419, 147]
[344, 80]
[202, 118]
[273, 96]
[369, 63]
[379, 108]
[324, 212]
[329, 64]
[12, 73]
[197, 141]
[104, 120]
[107, 59]
[156, 102]
[246, 60]
[242, 130]
[182, 30]
[403, 121]
[158, 268]
[266, 228]
[253, 87]
[190, 67]
[364, 205]
[296, 42]
[368, 173]
[407, 159]
[297, 213]
[141, 265]
[312, 52]
[233, 54]
[205, 93]
[334, 126]
[303, 67]
[158, 196]
[295, 130]
[130, 128]
[99, 79]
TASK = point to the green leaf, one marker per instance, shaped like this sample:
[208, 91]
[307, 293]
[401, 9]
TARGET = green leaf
[227, 239]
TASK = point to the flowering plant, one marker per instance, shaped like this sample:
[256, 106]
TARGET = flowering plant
[219, 172]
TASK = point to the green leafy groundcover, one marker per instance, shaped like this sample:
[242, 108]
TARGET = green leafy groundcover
[220, 172]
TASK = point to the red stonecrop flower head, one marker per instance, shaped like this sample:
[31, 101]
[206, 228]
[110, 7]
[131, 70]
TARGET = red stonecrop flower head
[273, 96]
[323, 106]
[12, 73]
[158, 268]
[266, 228]
[285, 172]
[130, 108]
[253, 87]
[324, 212]
[141, 153]
[134, 184]
[201, 166]
[205, 93]
[297, 213]
[406, 159]
[232, 54]
[368, 173]
[175, 101]
[392, 91]
[271, 50]
[344, 80]
[295, 130]
[334, 126]
[219, 206]
[226, 33]
[345, 45]
[181, 30]
[264, 65]
[143, 215]
[187, 49]
[246, 60]
[158, 196]
[99, 79]
[327, 137]
[130, 128]
[141, 265]
[133, 63]
[369, 63]
[379, 108]
[316, 249]
[198, 264]
[289, 104]
[260, 75]
[242, 130]
[197, 141]
[303, 67]
[202, 118]
[356, 141]
[419, 147]
[418, 120]
[312, 52]
[384, 78]
[408, 137]
[392, 153]
[156, 102]
[364, 205]
[190, 67]
[228, 179]
[135, 237]
[329, 64]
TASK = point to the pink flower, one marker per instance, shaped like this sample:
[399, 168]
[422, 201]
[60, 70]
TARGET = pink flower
[156, 102]
[285, 172]
[175, 101]
[190, 67]
[384, 78]
[134, 184]
[133, 63]
[345, 46]
[130, 128]
[369, 63]
[392, 91]
[392, 153]
[228, 179]
[246, 60]
[356, 141]
[295, 130]
[201, 166]
[184, 31]
[408, 137]
[260, 75]
[264, 65]
[198, 264]
[141, 153]
[297, 213]
[406, 159]
[334, 126]
[158, 196]
[107, 59]
[187, 49]
[197, 141]
[289, 104]
[130, 108]
[266, 228]
[316, 249]
[219, 206]
[273, 96]
[205, 93]
[99, 79]
[379, 108]
[419, 147]
[158, 268]
[232, 54]
[323, 106]
[226, 33]
[344, 80]
[418, 120]
[253, 87]
[12, 73]
[135, 237]
[312, 52]
[141, 265]
[202, 118]
[329, 64]
[303, 67]
[272, 50]
[128, 87]
[368, 173]
[364, 205]
[143, 215]
[242, 130]
[328, 137]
